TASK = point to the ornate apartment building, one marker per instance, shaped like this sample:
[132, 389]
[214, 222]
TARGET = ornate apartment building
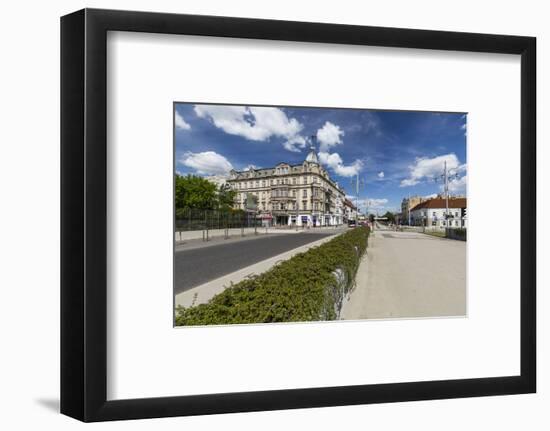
[300, 195]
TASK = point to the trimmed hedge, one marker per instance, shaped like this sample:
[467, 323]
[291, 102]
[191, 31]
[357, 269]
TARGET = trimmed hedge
[308, 287]
[456, 233]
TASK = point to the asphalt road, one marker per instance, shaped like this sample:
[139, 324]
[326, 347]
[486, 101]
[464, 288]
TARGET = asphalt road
[409, 274]
[200, 265]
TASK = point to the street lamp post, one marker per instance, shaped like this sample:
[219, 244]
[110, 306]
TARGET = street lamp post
[446, 178]
[358, 183]
[409, 208]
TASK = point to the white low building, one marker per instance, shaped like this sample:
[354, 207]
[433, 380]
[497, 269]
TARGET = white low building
[433, 213]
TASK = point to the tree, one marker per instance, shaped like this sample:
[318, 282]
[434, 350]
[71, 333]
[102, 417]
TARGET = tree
[195, 192]
[390, 216]
[226, 197]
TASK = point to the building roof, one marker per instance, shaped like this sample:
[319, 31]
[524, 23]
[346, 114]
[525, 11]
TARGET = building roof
[440, 203]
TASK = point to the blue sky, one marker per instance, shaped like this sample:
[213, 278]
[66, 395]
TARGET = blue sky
[395, 153]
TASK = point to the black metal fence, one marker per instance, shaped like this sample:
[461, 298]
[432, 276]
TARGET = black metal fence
[194, 219]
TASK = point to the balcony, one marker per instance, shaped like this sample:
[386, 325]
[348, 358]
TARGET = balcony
[283, 198]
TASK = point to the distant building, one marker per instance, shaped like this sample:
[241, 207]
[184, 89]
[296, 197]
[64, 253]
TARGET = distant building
[399, 219]
[407, 204]
[350, 211]
[432, 213]
[301, 195]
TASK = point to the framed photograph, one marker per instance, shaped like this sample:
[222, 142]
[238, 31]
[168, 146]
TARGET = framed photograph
[262, 215]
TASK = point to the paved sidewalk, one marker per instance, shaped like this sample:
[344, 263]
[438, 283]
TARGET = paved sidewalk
[407, 274]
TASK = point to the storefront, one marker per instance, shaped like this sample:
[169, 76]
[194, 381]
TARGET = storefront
[267, 220]
[281, 219]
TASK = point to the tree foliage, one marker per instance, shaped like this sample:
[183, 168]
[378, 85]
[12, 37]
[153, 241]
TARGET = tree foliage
[226, 197]
[198, 193]
[390, 216]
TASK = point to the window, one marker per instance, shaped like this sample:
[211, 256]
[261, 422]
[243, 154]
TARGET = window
[294, 180]
[434, 214]
[304, 193]
[456, 213]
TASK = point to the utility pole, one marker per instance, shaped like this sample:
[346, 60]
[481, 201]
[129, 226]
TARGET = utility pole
[358, 183]
[446, 194]
[409, 208]
[446, 178]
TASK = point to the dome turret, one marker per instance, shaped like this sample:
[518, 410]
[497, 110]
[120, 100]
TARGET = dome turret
[312, 156]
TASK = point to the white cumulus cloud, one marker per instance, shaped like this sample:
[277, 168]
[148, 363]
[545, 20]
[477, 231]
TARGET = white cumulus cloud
[181, 123]
[206, 163]
[458, 185]
[255, 123]
[426, 168]
[329, 136]
[335, 162]
[377, 203]
[372, 203]
[381, 174]
[295, 144]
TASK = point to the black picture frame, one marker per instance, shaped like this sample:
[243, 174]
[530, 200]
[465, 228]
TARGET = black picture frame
[84, 214]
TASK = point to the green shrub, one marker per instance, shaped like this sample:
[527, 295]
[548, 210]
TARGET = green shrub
[303, 288]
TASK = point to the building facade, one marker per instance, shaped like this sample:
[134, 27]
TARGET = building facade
[407, 204]
[350, 211]
[293, 195]
[432, 213]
